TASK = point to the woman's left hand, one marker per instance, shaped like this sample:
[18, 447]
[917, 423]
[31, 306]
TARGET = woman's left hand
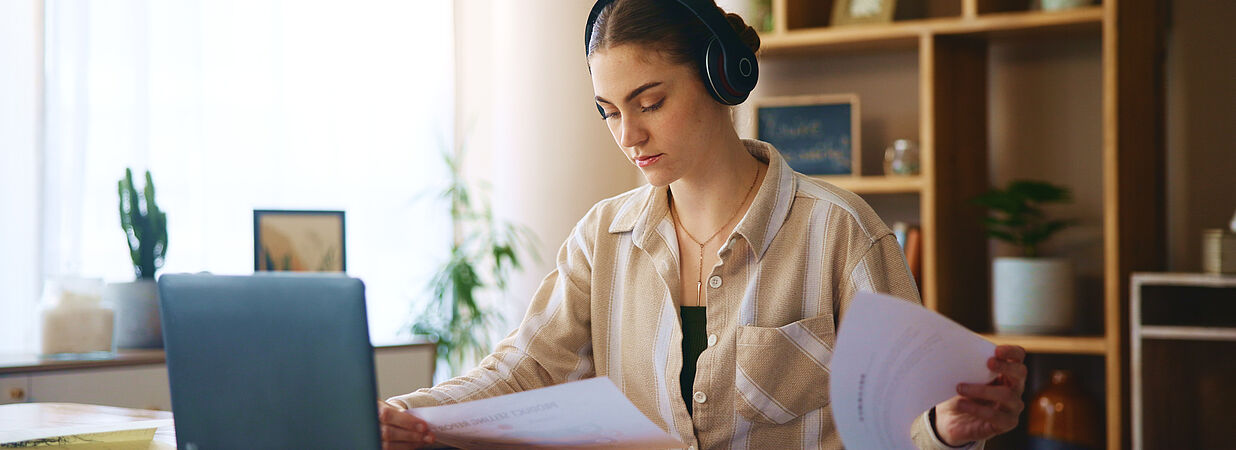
[982, 411]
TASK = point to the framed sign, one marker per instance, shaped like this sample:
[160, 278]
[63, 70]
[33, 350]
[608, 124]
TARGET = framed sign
[817, 135]
[298, 241]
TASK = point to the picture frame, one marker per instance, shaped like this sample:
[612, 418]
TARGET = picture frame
[815, 134]
[862, 12]
[299, 241]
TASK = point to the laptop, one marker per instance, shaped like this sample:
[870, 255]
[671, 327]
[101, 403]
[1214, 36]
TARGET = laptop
[269, 361]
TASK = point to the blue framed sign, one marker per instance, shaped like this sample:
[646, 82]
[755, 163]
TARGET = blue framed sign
[817, 135]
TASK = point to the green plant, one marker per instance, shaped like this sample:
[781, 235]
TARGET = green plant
[144, 225]
[482, 256]
[1016, 216]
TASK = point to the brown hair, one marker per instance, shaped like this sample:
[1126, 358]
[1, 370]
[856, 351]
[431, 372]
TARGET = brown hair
[662, 25]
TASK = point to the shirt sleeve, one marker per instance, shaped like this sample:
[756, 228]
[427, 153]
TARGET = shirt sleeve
[552, 344]
[883, 269]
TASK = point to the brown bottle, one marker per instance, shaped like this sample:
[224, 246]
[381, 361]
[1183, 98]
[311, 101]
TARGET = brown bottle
[1062, 416]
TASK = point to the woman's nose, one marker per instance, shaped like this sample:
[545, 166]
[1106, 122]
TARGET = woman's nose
[631, 133]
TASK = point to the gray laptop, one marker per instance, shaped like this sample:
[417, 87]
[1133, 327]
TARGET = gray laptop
[269, 361]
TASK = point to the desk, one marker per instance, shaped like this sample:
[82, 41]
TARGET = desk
[22, 416]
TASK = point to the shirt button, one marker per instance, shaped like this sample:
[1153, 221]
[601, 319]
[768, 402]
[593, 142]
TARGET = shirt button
[700, 397]
[712, 340]
[714, 282]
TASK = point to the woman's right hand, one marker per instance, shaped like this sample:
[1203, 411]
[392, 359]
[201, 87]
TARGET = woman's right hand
[401, 430]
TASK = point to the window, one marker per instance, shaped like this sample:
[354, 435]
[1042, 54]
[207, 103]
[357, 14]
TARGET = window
[242, 105]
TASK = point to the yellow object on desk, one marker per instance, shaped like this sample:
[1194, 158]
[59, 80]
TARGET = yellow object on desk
[77, 426]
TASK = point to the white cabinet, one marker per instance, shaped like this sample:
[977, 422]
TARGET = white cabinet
[141, 387]
[14, 389]
[400, 369]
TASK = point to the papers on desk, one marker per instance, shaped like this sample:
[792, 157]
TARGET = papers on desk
[64, 425]
[589, 413]
[893, 361]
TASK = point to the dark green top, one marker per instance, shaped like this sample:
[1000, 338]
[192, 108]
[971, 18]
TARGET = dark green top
[694, 341]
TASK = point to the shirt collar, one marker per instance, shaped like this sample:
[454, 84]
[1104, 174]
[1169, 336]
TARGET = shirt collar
[642, 212]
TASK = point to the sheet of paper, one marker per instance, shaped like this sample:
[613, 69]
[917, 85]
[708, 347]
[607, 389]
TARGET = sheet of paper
[588, 413]
[893, 361]
[71, 435]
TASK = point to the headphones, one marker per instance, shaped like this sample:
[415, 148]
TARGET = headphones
[728, 65]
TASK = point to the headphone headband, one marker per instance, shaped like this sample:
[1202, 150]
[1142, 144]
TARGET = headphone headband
[728, 66]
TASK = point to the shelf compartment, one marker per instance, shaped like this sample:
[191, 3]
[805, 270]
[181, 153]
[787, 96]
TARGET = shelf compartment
[878, 184]
[1075, 345]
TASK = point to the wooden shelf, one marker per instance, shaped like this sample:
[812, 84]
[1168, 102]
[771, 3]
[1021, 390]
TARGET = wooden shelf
[906, 34]
[1074, 345]
[878, 184]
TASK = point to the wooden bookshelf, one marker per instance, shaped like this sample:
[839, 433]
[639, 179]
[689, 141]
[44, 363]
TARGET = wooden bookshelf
[878, 184]
[951, 42]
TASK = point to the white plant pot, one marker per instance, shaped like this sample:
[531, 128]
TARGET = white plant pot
[137, 313]
[1033, 295]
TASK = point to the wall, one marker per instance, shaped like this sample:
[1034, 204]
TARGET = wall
[1201, 138]
[525, 102]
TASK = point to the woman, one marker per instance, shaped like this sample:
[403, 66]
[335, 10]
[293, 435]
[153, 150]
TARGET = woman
[683, 291]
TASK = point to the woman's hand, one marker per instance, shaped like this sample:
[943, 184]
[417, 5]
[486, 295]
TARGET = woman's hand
[982, 411]
[401, 430]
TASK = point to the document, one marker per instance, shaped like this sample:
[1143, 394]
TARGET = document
[75, 426]
[893, 361]
[589, 413]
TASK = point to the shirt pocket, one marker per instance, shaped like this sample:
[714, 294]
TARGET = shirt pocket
[783, 372]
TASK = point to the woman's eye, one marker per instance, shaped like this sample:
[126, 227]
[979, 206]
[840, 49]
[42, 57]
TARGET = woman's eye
[608, 115]
[654, 107]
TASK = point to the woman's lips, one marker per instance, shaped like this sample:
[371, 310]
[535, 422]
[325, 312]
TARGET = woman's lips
[648, 160]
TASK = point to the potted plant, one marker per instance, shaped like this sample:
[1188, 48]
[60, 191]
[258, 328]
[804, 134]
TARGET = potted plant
[482, 256]
[1032, 294]
[137, 302]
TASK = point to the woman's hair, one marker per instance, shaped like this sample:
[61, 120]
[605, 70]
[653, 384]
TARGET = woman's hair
[666, 26]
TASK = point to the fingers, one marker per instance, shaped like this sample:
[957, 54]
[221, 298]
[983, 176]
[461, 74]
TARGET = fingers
[1012, 374]
[1002, 421]
[402, 430]
[997, 398]
[1011, 353]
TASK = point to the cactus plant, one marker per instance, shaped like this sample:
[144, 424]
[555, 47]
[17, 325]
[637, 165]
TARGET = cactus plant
[144, 225]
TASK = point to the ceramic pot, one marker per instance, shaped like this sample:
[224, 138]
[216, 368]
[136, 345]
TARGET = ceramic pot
[1057, 5]
[1062, 416]
[1033, 295]
[137, 313]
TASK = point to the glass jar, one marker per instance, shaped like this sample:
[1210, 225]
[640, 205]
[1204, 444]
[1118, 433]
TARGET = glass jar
[74, 322]
[1062, 415]
[901, 158]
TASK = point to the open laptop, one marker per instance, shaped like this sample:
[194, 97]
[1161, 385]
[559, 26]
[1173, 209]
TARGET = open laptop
[269, 361]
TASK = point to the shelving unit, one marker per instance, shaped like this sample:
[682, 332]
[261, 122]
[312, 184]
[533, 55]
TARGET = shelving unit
[941, 60]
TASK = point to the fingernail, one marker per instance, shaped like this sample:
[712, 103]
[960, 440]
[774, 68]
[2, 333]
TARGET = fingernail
[963, 389]
[428, 439]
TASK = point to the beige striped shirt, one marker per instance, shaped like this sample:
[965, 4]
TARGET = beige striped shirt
[786, 275]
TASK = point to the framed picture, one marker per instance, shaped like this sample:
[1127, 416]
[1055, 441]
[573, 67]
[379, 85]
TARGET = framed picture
[855, 12]
[817, 135]
[298, 241]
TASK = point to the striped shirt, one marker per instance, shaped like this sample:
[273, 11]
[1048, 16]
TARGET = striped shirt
[786, 275]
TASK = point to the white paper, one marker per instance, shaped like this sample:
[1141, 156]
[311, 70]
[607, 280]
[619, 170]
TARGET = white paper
[588, 413]
[893, 361]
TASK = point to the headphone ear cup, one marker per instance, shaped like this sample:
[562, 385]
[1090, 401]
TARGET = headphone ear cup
[713, 68]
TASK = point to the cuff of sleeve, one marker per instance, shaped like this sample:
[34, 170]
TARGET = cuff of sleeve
[928, 417]
[416, 399]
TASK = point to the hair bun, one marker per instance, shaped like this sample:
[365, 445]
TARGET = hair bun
[747, 34]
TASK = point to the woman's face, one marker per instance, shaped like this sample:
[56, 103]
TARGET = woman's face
[658, 112]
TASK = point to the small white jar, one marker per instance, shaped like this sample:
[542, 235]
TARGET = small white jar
[75, 322]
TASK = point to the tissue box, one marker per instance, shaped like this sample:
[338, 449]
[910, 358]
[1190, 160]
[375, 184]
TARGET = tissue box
[1218, 251]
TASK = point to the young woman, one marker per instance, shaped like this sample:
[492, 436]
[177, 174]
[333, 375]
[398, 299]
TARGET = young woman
[690, 292]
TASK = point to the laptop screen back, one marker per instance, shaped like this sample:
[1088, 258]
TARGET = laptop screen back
[269, 361]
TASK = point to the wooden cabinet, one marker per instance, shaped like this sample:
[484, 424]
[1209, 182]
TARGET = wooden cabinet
[929, 77]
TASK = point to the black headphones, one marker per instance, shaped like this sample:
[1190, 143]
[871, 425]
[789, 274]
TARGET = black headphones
[727, 65]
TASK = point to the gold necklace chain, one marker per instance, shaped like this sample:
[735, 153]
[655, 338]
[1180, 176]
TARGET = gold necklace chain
[699, 282]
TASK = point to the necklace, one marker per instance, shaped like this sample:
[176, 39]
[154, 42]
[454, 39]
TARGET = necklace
[699, 282]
